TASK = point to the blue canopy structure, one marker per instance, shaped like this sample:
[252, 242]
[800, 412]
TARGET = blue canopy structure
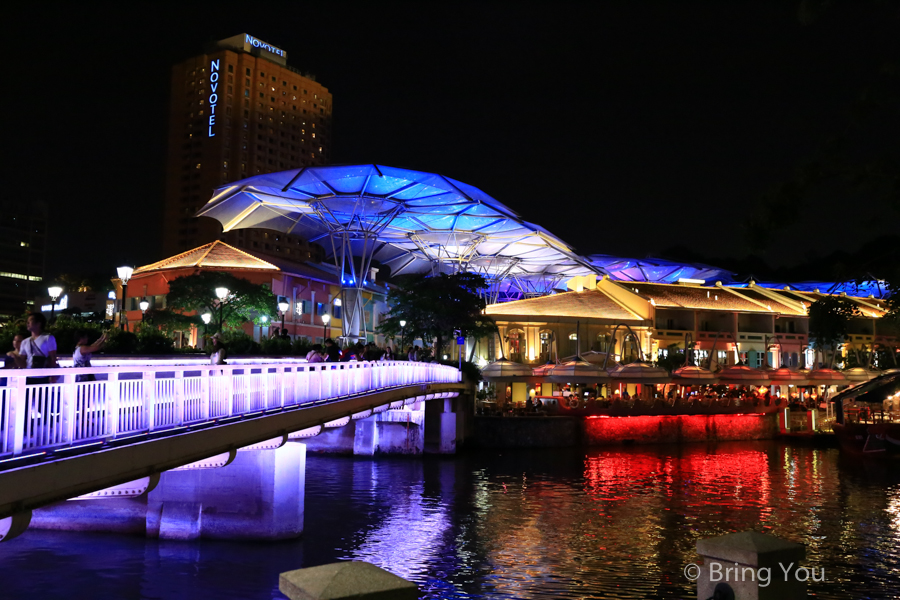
[411, 221]
[656, 270]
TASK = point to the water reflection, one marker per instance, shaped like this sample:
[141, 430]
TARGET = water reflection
[542, 524]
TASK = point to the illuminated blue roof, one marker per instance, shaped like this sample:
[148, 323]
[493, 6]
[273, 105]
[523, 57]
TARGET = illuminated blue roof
[858, 289]
[417, 222]
[656, 270]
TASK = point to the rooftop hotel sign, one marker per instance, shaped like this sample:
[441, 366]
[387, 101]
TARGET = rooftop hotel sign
[255, 46]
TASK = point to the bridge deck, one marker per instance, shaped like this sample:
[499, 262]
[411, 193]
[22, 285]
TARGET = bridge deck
[63, 439]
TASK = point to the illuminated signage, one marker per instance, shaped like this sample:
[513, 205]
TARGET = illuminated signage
[249, 39]
[245, 42]
[213, 96]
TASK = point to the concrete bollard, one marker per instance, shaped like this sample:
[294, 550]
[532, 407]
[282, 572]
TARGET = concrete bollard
[345, 580]
[750, 566]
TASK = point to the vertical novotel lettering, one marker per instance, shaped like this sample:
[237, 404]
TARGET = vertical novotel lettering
[213, 96]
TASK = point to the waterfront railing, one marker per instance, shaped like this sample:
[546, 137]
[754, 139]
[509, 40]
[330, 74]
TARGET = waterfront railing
[43, 409]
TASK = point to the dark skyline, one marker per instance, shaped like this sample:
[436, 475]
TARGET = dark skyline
[624, 129]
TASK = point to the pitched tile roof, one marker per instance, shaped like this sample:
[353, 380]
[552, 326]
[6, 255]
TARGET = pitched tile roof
[867, 306]
[784, 307]
[585, 304]
[213, 255]
[693, 296]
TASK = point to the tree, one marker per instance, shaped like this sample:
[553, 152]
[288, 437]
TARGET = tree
[436, 306]
[829, 318]
[246, 301]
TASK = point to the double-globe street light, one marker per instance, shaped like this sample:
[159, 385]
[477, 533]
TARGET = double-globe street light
[55, 292]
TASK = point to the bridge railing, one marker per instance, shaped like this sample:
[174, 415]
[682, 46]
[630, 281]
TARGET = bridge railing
[48, 408]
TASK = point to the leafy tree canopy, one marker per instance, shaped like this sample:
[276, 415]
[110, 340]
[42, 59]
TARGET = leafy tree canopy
[829, 318]
[435, 306]
[246, 301]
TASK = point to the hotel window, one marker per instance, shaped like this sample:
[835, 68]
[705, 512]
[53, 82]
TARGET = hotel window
[231, 68]
[248, 73]
[261, 74]
[722, 357]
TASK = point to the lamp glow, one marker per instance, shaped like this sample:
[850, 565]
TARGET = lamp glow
[337, 301]
[206, 318]
[264, 319]
[54, 292]
[222, 293]
[144, 305]
[402, 323]
[325, 318]
[124, 273]
[283, 306]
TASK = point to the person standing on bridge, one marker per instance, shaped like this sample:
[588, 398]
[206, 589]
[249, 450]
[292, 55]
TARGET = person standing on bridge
[315, 355]
[219, 353]
[332, 352]
[39, 350]
[81, 357]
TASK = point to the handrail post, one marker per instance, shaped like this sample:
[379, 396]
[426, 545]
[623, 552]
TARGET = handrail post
[149, 392]
[228, 374]
[69, 399]
[113, 392]
[178, 386]
[279, 385]
[204, 395]
[18, 403]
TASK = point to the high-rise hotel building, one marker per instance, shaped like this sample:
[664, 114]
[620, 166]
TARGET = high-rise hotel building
[236, 111]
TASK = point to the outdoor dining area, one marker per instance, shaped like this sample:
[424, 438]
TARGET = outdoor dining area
[582, 387]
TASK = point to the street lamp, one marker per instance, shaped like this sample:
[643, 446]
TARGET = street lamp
[402, 335]
[206, 317]
[222, 294]
[325, 318]
[144, 306]
[54, 292]
[124, 274]
[283, 307]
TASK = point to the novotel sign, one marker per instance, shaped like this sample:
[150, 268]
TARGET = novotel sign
[253, 45]
[252, 41]
[213, 93]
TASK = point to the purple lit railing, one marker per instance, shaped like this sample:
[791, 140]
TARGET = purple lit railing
[129, 400]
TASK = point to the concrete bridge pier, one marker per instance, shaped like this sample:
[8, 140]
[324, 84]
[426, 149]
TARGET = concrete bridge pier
[436, 426]
[258, 496]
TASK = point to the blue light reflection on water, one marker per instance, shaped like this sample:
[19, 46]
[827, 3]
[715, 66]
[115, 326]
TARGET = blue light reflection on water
[514, 524]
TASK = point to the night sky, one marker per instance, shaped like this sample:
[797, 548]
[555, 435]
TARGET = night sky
[624, 128]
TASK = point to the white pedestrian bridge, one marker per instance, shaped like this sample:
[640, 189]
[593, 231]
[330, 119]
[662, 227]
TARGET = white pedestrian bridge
[62, 436]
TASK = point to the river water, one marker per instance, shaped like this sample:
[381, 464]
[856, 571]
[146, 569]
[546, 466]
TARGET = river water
[543, 524]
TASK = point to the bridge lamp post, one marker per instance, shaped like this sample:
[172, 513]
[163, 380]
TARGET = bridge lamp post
[144, 306]
[222, 295]
[325, 318]
[402, 335]
[283, 307]
[124, 274]
[54, 292]
[206, 317]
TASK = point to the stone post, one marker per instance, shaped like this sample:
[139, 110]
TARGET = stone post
[751, 566]
[354, 580]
